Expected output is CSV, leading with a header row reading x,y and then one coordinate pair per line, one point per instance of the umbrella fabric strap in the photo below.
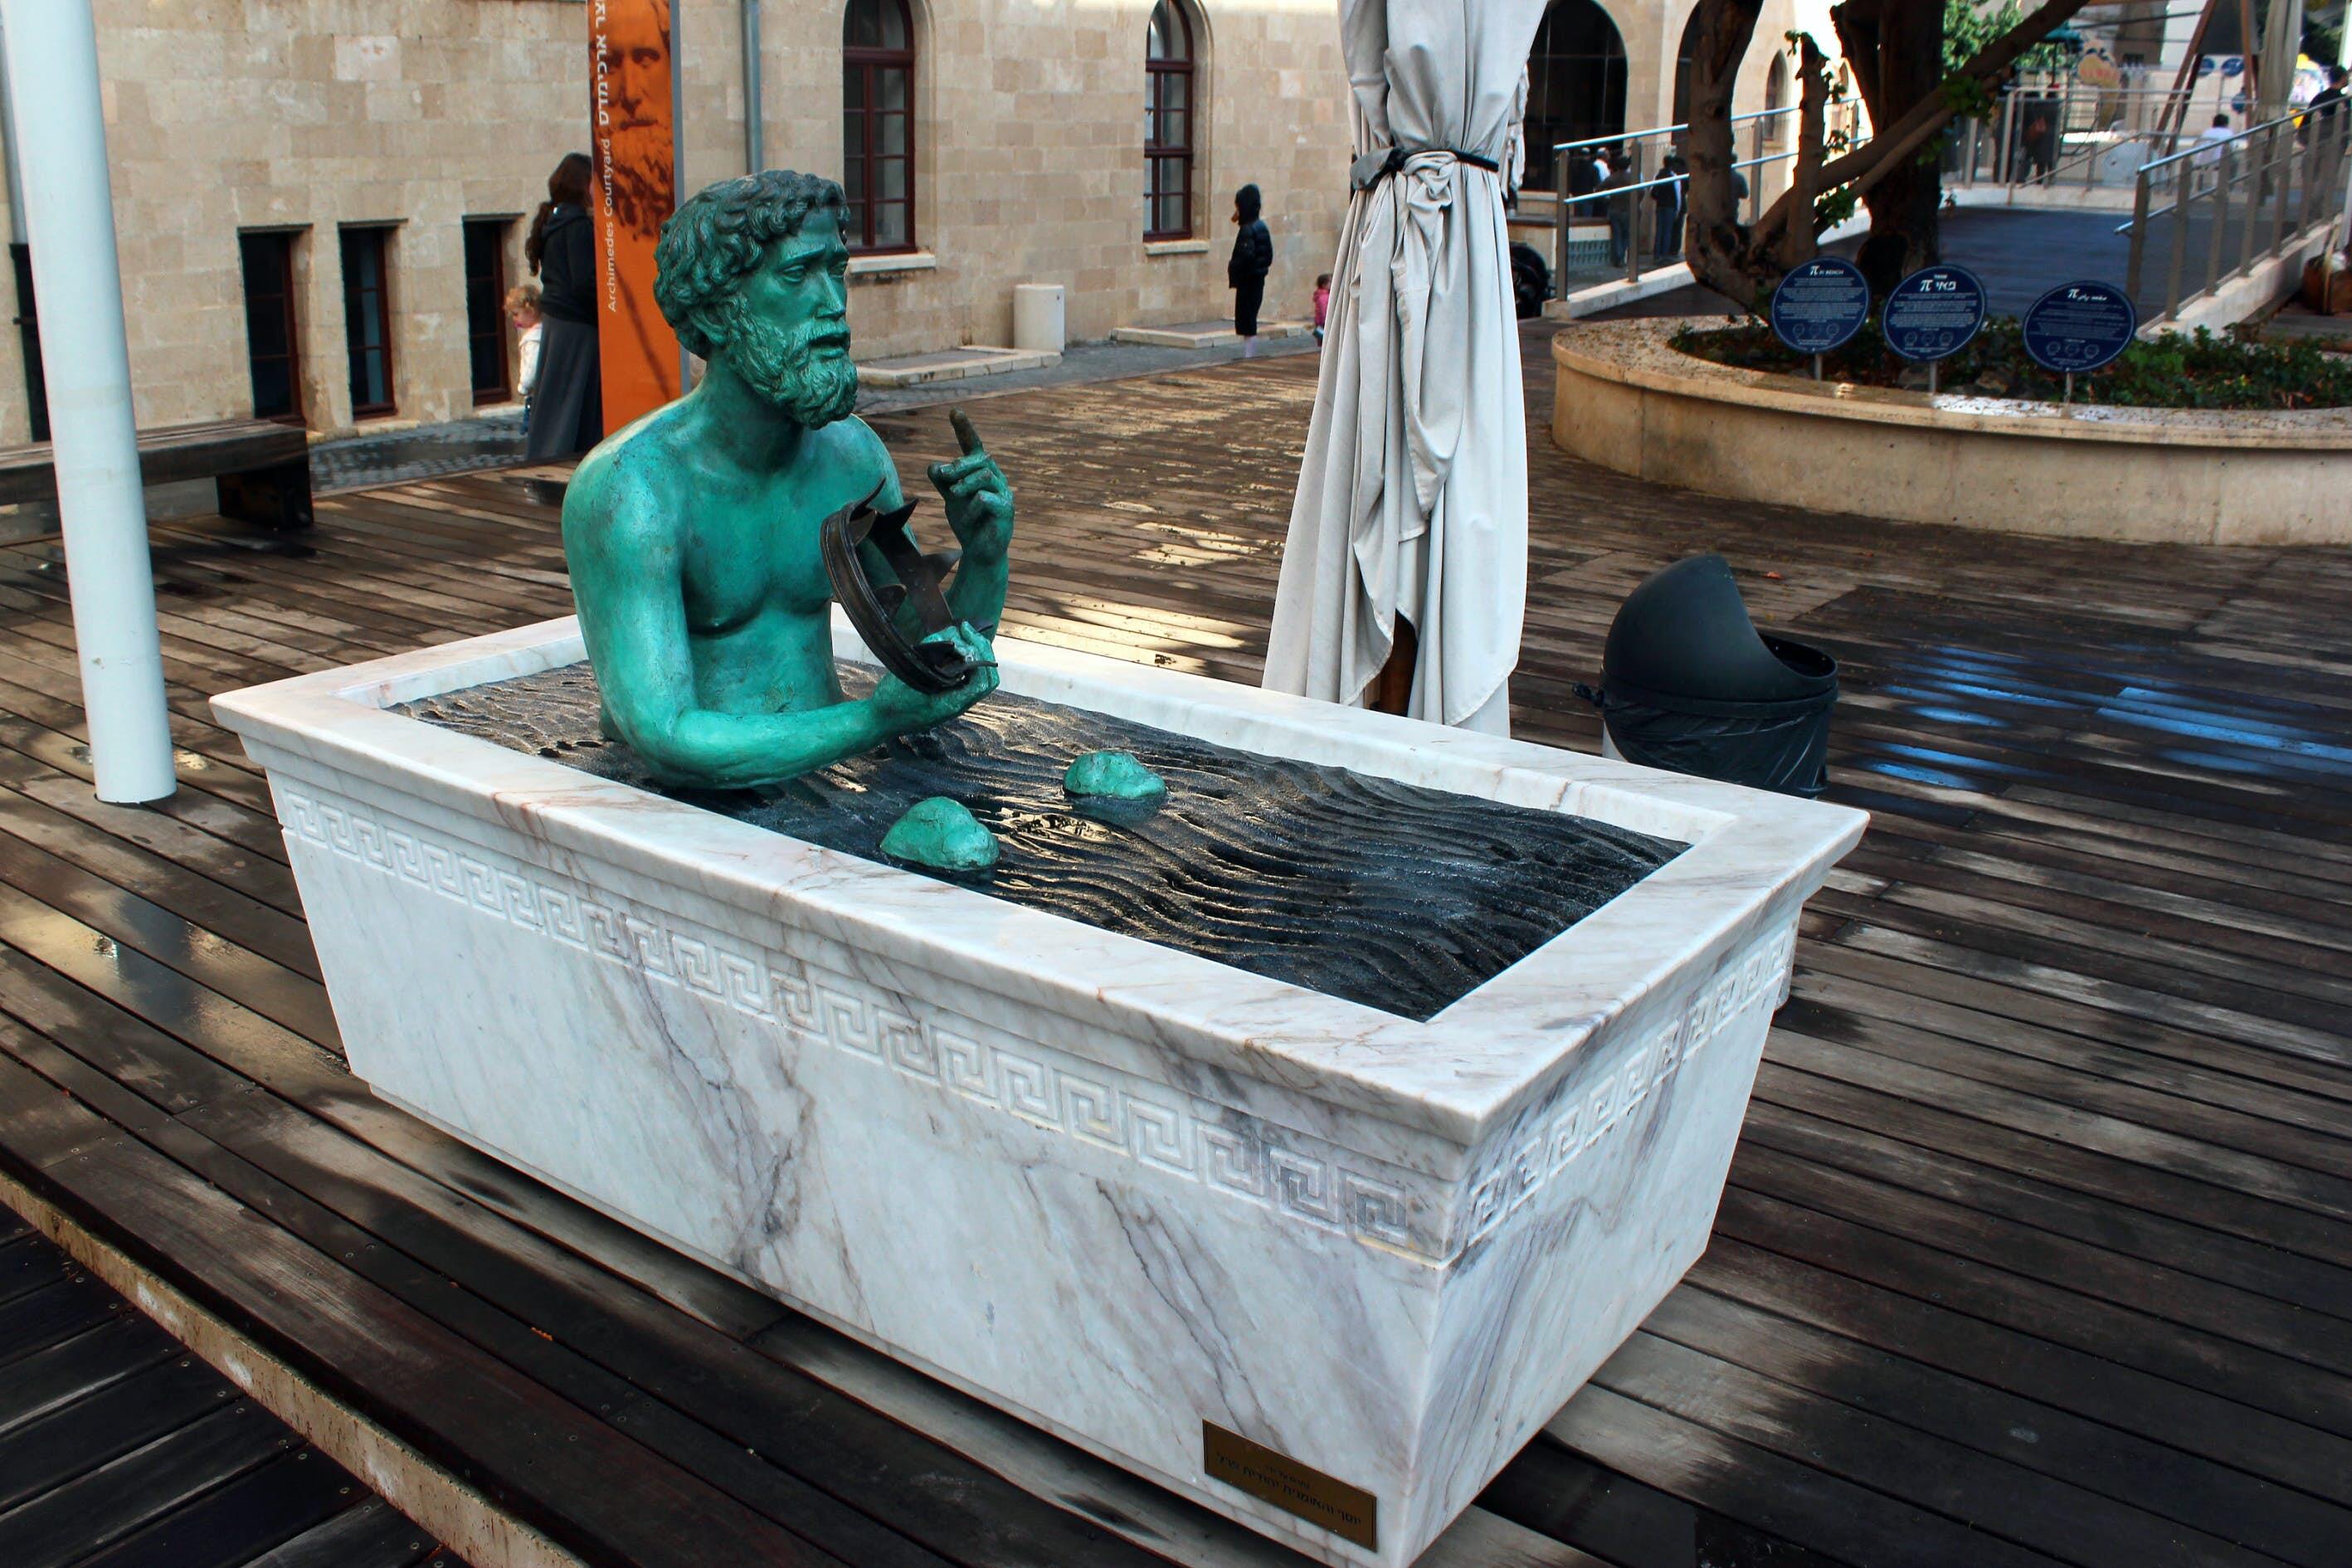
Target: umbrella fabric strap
x,y
1375,166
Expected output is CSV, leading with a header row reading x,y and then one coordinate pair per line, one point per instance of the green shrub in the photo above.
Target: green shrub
x,y
2174,370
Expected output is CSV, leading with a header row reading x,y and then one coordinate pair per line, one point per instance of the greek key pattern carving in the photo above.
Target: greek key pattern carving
x,y
1547,1151
1092,1105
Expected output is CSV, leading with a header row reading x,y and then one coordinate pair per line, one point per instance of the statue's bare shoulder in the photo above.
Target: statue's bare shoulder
x,y
626,497
851,447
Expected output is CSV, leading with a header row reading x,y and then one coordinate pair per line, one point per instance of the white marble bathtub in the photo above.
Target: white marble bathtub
x,y
1129,1193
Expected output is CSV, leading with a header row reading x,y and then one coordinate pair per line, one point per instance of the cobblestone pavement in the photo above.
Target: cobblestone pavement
x,y
419,452
495,441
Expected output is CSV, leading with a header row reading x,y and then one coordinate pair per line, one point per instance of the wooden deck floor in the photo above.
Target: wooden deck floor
x,y
118,1446
2038,1247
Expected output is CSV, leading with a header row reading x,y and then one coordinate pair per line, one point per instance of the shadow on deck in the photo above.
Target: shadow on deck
x,y
2038,1247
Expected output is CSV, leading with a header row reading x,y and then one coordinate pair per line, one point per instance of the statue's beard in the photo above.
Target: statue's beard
x,y
781,366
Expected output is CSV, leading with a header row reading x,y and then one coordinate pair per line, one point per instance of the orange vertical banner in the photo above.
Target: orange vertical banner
x,y
635,190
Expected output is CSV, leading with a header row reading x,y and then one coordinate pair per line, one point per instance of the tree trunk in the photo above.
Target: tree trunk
x,y
1745,264
1896,48
1714,239
1725,255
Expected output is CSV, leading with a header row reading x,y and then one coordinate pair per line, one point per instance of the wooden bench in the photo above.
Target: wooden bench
x,y
262,469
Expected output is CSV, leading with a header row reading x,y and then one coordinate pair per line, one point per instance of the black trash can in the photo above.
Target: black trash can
x,y
1689,685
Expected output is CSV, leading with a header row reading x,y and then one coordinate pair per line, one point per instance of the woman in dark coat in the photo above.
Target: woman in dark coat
x,y
567,408
1245,273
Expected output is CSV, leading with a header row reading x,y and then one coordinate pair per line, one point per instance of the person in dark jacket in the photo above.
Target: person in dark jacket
x,y
1252,258
567,410
1666,205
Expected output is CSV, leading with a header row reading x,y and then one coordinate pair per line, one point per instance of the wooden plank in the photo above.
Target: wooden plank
x,y
30,1324
68,1524
371,1535
1897,1143
142,1409
2029,1308
1896,1458
2152,1477
230,1526
567,1474
48,1380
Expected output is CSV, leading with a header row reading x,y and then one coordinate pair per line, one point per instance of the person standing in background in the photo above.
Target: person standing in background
x,y
1245,272
568,403
1666,203
1622,204
1322,303
522,311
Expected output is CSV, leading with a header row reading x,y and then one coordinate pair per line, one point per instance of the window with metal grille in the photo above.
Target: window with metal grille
x,y
273,339
486,307
877,125
1169,107
367,320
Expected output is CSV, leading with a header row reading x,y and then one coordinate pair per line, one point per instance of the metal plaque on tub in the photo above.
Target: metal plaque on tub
x,y
1271,1476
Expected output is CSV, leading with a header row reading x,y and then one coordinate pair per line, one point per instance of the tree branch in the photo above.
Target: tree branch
x,y
1889,145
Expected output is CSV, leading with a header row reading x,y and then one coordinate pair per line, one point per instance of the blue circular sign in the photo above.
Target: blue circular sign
x,y
2079,327
1933,312
1820,305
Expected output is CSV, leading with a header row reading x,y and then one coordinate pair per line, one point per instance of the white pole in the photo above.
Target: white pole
x,y
52,63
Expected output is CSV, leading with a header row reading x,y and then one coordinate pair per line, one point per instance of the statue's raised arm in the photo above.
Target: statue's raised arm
x,y
694,536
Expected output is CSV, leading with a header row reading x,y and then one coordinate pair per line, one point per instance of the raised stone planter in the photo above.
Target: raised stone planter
x,y
1627,399
1138,1198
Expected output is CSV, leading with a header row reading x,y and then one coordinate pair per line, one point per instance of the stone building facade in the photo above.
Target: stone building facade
x,y
394,124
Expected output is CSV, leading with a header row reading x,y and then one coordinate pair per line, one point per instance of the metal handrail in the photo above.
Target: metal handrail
x,y
2195,148
1637,247
2286,186
1559,147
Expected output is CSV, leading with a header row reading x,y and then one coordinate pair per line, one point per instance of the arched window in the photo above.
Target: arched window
x,y
1170,108
1575,90
877,125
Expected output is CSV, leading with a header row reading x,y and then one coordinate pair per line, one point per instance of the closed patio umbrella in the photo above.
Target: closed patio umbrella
x,y
1412,498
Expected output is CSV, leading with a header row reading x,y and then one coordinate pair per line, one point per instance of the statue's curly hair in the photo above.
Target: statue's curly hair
x,y
720,234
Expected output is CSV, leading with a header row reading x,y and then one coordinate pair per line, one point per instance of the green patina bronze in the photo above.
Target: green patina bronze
x,y
693,534
1112,775
940,833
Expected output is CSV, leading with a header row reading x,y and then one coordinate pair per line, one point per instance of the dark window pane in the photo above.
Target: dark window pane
x,y
265,329
367,325
486,309
273,387
875,24
891,89
852,88
272,346
1169,38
